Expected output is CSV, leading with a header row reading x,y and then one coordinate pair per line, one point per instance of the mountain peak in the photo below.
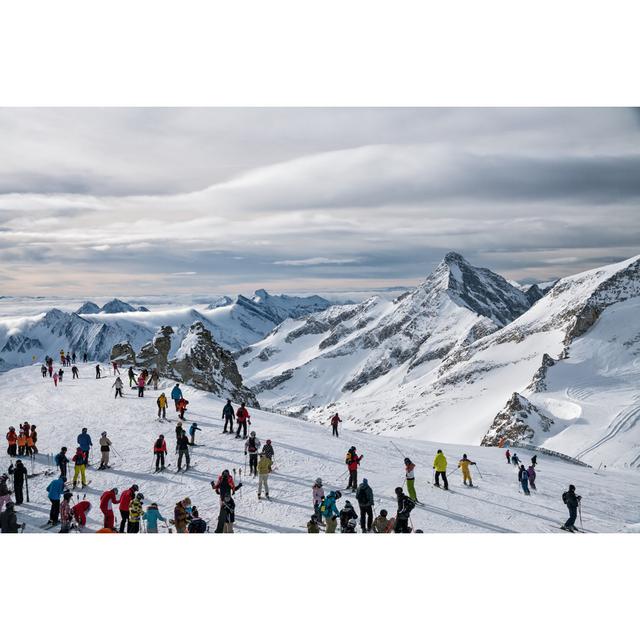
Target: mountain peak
x,y
452,257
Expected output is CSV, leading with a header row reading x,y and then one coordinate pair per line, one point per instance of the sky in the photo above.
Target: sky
x,y
136,201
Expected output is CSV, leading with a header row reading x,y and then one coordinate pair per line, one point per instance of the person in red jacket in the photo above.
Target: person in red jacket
x,y
225,485
107,500
352,461
335,421
160,450
242,415
125,500
181,406
80,511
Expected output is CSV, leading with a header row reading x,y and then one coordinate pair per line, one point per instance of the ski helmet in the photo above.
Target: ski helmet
x,y
104,433
571,487
253,433
383,513
407,461
398,490
134,487
319,481
140,496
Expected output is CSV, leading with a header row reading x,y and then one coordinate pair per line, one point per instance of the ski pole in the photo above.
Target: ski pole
x,y
398,449
580,512
114,451
478,470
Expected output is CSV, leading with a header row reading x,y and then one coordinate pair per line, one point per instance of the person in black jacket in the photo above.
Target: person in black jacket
x,y
572,501
227,515
182,449
227,415
197,524
19,473
347,513
364,496
9,520
405,505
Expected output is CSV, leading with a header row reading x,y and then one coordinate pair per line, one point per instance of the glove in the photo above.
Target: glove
x,y
245,453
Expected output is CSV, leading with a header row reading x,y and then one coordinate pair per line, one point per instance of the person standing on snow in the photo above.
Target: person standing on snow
x,y
531,472
515,460
352,461
176,394
507,455
66,515
335,421
464,465
74,372
227,416
317,492
572,501
381,523
55,489
155,377
107,500
409,471
347,514
9,520
197,524
263,469
405,505
313,526
141,383
125,501
267,450
330,511
440,466
251,446
98,372
43,371
135,514
116,369
5,493
85,443
160,451
243,417
19,473
132,377
62,461
192,432
224,485
534,460
118,384
364,496
181,405
105,450
182,515
162,406
523,479
152,515
12,439
80,466
182,450
55,379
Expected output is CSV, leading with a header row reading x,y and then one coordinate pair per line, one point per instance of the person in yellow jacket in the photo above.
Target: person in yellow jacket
x,y
464,464
440,466
135,514
162,406
264,469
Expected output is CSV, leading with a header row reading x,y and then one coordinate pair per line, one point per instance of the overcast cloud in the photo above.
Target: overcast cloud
x,y
127,201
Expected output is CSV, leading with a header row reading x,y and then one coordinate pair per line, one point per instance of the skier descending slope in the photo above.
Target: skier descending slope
x,y
118,384
440,466
352,461
227,415
98,372
464,464
573,502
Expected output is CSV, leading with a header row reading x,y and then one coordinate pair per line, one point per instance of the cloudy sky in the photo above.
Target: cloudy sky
x,y
132,201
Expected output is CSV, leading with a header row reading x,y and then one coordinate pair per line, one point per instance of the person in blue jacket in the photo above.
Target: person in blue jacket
x,y
176,394
192,432
84,442
330,512
152,515
55,491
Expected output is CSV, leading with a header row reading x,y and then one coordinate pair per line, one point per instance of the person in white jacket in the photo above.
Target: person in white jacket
x,y
318,497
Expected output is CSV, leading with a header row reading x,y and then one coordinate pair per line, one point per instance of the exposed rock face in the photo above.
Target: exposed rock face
x,y
117,306
155,354
89,307
123,353
517,422
204,364
539,383
533,294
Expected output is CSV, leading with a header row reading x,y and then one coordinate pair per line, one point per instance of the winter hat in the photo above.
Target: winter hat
x,y
383,513
194,512
153,505
398,490
253,433
365,481
439,450
134,487
268,441
319,481
140,496
464,456
407,461
571,488
104,433
347,504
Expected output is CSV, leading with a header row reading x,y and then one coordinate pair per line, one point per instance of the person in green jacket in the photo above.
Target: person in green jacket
x,y
440,465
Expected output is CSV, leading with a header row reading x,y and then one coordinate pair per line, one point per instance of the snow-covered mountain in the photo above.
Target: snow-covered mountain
x,y
113,306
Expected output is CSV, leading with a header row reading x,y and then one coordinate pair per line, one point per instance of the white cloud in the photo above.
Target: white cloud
x,y
310,262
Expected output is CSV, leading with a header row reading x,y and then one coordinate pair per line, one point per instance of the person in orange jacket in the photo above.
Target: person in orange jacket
x,y
12,439
464,464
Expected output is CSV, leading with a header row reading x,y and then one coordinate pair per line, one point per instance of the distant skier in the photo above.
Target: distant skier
x,y
74,372
85,443
317,493
73,357
80,465
12,439
43,371
263,469
60,374
107,500
227,416
192,433
515,461
105,451
405,505
162,406
252,446
141,383
352,461
182,450
125,501
224,485
573,502
132,377
507,455
335,421
155,377
116,369
410,475
364,496
19,473
381,523
176,394
464,465
55,379
267,450
118,384
98,372
531,472
523,479
85,357
160,451
55,490
243,417
152,515
347,514
440,466
534,460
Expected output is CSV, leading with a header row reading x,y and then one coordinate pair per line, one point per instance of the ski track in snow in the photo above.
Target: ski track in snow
x,y
303,451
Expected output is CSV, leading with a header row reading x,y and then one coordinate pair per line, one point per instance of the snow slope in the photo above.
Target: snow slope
x,y
611,500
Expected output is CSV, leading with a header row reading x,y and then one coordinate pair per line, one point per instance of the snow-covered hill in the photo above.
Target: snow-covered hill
x,y
303,451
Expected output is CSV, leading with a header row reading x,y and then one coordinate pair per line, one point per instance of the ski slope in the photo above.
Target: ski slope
x,y
303,451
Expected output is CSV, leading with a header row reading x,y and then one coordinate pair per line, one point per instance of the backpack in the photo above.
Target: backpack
x,y
252,445
565,497
198,526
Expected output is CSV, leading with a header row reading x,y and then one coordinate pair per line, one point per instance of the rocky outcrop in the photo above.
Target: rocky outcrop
x,y
123,353
89,307
539,382
155,354
517,422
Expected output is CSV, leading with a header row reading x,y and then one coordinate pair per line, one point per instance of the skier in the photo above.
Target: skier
x,y
152,515
105,449
267,450
118,384
197,524
12,439
263,470
364,496
66,515
507,454
19,473
73,357
80,511
5,493
347,513
335,421
573,502
179,431
85,357
62,461
227,515
116,369
181,406
176,394
515,461
9,520
251,446
352,461
107,500
155,377
182,450
84,442
531,472
182,515
317,492
192,432
132,376
440,465
160,451
60,375
312,525
80,465
411,478
22,441
43,371
74,372
34,439
534,460
50,368
523,479
330,511
405,505
55,379
141,382
98,372
162,406
125,501
54,490
227,416
381,523
243,417
464,465
224,485
135,513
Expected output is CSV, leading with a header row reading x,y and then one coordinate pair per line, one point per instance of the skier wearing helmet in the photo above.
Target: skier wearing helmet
x,y
135,513
105,448
125,501
267,450
251,446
